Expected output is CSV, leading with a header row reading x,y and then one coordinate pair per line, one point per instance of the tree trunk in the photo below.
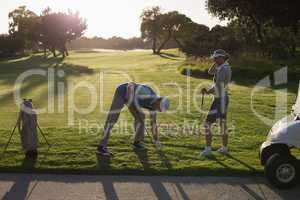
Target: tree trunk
x,y
294,46
53,51
62,51
45,51
164,42
258,29
257,26
154,45
66,50
261,38
179,43
294,43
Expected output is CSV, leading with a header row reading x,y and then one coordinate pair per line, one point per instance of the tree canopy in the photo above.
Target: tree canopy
x,y
159,28
51,30
56,29
271,20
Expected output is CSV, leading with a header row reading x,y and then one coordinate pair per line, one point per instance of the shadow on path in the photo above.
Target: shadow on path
x,y
20,188
24,186
104,163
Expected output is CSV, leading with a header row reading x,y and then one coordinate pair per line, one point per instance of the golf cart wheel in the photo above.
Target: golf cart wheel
x,y
282,171
281,149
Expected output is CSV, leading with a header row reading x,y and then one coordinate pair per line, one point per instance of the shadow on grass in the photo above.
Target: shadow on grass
x,y
252,170
11,57
164,162
29,62
188,146
229,169
104,162
163,158
243,163
214,158
86,51
11,69
17,66
169,56
157,186
143,158
29,163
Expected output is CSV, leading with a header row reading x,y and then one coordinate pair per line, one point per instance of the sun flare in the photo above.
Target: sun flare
x,y
114,17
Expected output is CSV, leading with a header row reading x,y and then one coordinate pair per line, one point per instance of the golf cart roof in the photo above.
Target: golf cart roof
x,y
296,107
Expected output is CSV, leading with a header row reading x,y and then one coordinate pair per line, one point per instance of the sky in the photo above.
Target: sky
x,y
108,18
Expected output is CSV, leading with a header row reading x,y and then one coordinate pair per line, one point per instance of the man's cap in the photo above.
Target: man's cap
x,y
164,104
220,53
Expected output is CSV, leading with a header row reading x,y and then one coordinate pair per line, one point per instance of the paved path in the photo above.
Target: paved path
x,y
43,186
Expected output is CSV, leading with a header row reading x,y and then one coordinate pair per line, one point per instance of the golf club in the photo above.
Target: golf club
x,y
202,100
151,138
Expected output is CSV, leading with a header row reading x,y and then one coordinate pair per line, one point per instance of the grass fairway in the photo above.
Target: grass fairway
x,y
73,149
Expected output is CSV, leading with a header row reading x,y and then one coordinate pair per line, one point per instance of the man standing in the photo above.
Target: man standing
x,y
136,97
218,110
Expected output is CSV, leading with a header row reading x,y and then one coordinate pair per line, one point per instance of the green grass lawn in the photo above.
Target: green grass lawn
x,y
73,149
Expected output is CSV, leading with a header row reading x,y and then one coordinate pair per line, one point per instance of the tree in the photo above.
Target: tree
x,y
246,11
200,41
173,25
151,26
194,41
21,26
9,45
160,28
50,30
19,19
57,29
259,14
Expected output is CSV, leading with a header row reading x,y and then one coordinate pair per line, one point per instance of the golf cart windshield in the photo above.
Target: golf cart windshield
x,y
296,107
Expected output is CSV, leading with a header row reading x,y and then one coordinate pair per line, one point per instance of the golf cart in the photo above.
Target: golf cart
x,y
282,169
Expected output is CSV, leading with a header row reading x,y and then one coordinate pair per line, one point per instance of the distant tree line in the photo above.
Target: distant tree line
x,y
9,45
117,43
50,31
266,27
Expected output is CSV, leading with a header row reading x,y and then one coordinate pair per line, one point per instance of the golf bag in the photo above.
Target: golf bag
x,y
27,125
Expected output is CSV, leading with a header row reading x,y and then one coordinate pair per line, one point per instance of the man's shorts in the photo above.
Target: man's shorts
x,y
218,109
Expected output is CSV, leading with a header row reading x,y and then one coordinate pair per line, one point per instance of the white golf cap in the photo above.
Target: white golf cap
x,y
164,104
219,53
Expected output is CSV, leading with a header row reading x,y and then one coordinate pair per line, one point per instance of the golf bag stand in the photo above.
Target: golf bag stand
x,y
10,137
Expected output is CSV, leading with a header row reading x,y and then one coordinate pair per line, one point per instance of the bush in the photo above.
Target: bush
x,y
201,44
244,66
10,45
